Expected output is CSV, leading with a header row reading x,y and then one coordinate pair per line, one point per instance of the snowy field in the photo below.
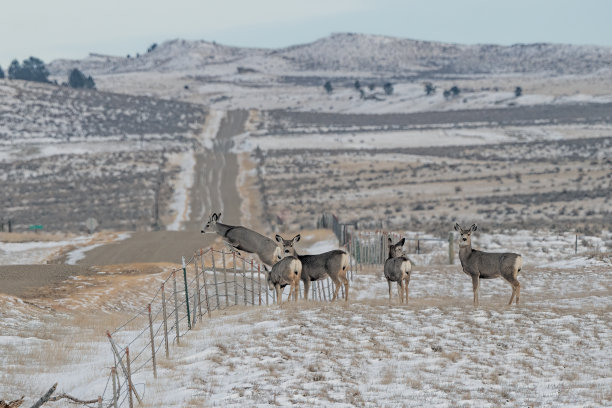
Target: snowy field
x,y
552,350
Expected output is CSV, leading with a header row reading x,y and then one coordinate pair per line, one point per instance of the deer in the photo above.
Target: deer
x,y
334,264
488,265
397,269
243,239
287,271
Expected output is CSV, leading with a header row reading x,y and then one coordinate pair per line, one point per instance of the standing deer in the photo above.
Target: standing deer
x,y
397,269
287,271
334,264
244,239
488,265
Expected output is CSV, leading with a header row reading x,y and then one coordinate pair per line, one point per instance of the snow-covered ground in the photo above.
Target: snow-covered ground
x,y
437,350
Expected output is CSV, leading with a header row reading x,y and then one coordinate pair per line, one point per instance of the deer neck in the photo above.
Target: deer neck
x,y
222,229
465,252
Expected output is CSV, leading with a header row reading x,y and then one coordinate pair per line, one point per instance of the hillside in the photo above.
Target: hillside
x,y
66,155
356,53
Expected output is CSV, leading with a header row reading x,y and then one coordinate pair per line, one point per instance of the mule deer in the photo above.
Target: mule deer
x,y
244,239
488,265
334,264
397,269
287,271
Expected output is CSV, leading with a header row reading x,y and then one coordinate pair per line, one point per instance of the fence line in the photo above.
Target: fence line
x,y
165,319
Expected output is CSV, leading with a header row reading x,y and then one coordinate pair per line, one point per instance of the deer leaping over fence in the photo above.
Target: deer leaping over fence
x,y
244,239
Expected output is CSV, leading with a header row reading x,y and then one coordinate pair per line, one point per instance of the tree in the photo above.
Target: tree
x,y
455,91
430,89
32,69
446,94
77,79
1,73
388,87
357,85
518,91
152,47
328,87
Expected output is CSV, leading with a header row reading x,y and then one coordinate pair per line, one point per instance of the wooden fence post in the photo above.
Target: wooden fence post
x,y
163,293
176,319
114,376
205,289
152,341
186,293
99,401
313,285
451,249
214,267
125,371
235,280
129,374
225,280
329,291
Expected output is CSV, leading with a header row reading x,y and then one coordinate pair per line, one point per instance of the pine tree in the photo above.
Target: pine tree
x,y
328,87
77,79
388,87
1,73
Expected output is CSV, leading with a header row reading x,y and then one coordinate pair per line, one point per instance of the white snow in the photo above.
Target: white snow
x,y
436,351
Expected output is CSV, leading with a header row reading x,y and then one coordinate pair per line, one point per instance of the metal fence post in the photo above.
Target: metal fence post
x,y
186,293
197,274
244,281
235,280
252,284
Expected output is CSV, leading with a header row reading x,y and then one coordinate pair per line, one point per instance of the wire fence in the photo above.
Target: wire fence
x,y
213,280
210,280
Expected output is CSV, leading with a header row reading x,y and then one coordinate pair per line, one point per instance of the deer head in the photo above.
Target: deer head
x,y
210,226
465,239
287,244
395,250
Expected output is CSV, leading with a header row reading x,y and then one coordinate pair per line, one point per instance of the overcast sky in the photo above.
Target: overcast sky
x,y
51,29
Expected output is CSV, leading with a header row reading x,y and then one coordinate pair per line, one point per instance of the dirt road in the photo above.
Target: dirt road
x,y
214,189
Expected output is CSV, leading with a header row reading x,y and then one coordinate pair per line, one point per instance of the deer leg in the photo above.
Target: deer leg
x,y
406,283
306,288
475,284
296,289
279,294
346,288
516,290
336,289
389,282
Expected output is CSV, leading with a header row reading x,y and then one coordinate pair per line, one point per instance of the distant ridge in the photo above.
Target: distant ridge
x,y
362,53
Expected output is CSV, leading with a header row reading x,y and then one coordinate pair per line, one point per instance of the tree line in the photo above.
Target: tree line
x,y
34,69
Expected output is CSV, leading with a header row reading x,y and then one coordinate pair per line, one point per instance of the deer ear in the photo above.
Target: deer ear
x,y
474,227
218,216
214,217
279,238
457,227
390,240
296,238
402,241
